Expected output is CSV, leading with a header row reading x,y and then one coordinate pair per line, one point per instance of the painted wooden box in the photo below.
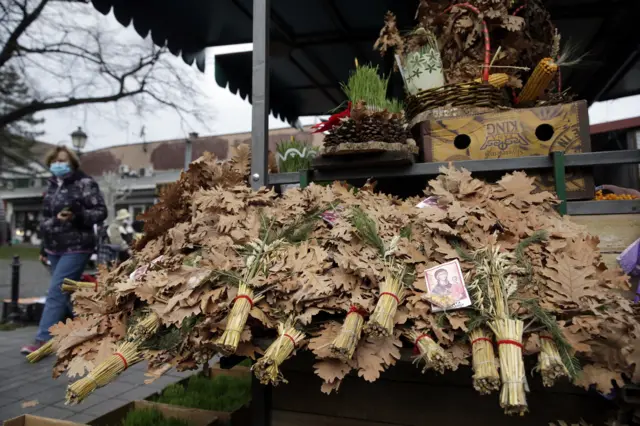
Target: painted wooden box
x,y
514,133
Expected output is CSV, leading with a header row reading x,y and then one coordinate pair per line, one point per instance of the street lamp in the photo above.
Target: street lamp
x,y
78,139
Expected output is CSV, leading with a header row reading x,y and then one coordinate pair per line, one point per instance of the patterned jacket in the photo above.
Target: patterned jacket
x,y
81,195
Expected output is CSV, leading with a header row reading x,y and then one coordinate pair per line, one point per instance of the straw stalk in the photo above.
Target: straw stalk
x,y
430,352
344,345
485,372
267,368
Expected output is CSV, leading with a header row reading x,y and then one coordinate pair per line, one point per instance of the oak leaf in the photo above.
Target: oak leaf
x,y
331,370
569,281
600,377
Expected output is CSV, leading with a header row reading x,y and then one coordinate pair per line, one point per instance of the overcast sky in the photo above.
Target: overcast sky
x,y
231,114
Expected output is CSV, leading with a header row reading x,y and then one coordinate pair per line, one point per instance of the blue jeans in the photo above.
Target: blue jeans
x,y
58,304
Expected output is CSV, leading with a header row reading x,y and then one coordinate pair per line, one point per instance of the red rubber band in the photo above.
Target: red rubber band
x,y
355,310
124,361
290,338
510,342
416,349
481,339
547,338
392,295
244,296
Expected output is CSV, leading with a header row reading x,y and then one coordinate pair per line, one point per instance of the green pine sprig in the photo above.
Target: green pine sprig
x,y
550,325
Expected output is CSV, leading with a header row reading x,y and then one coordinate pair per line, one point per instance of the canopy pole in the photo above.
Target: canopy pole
x,y
260,94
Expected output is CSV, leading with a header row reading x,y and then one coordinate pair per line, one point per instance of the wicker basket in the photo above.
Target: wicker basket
x,y
468,94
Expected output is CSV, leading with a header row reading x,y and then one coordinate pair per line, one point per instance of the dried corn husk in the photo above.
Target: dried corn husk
x,y
344,345
434,356
485,371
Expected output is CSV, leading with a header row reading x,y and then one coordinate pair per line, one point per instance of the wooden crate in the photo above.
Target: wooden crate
x,y
514,133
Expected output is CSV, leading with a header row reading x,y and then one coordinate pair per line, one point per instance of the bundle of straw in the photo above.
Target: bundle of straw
x,y
430,352
267,368
550,362
144,329
71,285
344,345
126,355
381,322
485,372
42,352
228,343
509,335
492,287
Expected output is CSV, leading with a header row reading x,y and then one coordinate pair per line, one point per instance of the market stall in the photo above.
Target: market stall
x,y
502,300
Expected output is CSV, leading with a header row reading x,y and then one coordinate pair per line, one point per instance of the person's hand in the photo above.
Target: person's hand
x,y
64,215
43,258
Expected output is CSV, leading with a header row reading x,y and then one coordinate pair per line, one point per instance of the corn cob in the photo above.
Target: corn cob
x,y
496,80
540,79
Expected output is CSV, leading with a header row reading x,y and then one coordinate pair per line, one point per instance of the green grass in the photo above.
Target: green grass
x,y
220,393
25,252
151,417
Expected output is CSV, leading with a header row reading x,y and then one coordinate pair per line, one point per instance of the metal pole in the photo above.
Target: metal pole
x,y
187,154
260,93
14,312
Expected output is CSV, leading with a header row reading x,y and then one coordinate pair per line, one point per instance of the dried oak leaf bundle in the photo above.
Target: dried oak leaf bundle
x,y
188,274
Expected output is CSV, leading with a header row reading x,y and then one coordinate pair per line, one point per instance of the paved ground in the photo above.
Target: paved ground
x,y
34,279
22,382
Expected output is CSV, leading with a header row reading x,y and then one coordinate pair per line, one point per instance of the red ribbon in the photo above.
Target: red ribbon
x,y
390,294
293,342
333,121
356,310
416,349
244,296
481,339
485,32
510,342
124,360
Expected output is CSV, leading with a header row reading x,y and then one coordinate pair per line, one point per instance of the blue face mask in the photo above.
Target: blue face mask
x,y
59,169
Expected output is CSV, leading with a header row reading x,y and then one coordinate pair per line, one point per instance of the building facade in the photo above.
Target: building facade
x,y
137,169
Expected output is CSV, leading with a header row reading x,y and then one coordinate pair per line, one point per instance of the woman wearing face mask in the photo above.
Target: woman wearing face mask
x,y
72,205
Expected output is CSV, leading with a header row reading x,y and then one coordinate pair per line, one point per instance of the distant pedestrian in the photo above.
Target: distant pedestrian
x,y
72,205
120,234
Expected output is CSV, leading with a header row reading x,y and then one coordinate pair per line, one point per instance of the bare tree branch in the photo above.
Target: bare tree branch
x,y
67,54
28,18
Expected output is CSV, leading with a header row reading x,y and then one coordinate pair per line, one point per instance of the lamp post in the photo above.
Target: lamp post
x,y
79,140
